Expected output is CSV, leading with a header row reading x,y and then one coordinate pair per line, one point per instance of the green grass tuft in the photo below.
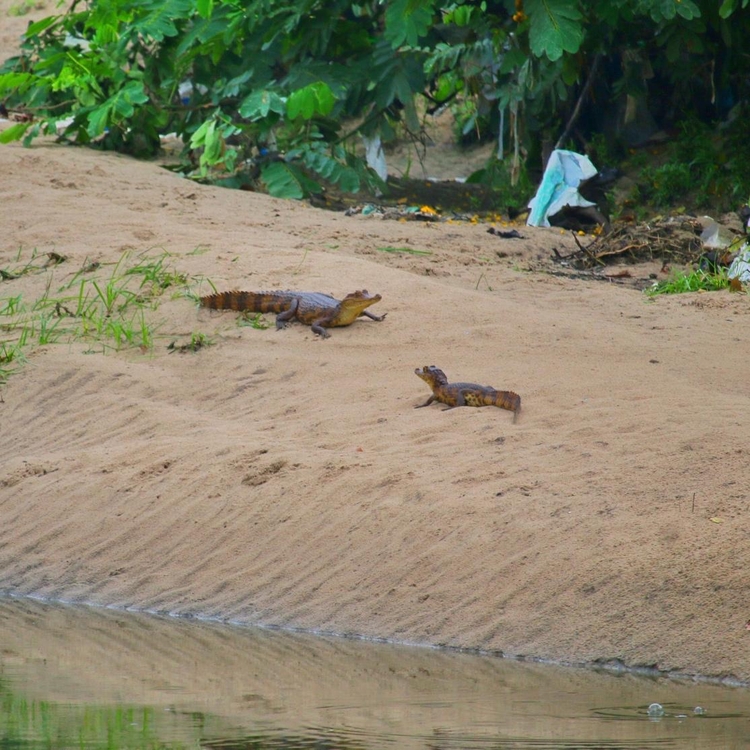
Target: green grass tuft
x,y
695,281
254,320
107,311
197,342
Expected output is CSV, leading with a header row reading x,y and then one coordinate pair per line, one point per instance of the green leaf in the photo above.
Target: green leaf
x,y
324,98
259,104
688,9
125,99
160,21
406,22
513,58
312,100
18,82
202,30
234,85
555,27
105,34
301,103
331,169
281,182
213,144
119,107
33,132
199,136
14,132
666,10
98,119
205,8
460,15
34,29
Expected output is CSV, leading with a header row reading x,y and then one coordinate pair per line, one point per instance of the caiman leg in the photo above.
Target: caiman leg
x,y
283,317
426,403
317,328
369,315
460,399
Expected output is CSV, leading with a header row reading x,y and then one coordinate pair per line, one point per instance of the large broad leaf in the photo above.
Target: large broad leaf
x,y
338,77
401,79
211,138
120,106
555,27
312,100
14,132
689,10
204,8
159,21
34,29
259,104
18,82
666,10
729,6
202,30
331,169
284,181
407,21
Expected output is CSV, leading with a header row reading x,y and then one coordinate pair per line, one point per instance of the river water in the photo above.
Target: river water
x,y
83,677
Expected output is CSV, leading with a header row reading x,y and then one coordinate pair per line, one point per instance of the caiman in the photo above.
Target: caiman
x,y
319,311
465,394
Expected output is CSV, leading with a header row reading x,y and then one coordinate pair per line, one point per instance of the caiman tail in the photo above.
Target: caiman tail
x,y
506,400
243,301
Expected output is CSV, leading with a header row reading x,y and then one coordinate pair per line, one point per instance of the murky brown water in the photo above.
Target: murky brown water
x,y
78,676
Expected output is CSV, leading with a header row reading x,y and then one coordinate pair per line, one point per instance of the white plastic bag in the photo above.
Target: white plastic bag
x,y
740,268
565,171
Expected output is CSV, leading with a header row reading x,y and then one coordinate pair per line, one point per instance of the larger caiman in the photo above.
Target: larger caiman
x,y
465,394
319,311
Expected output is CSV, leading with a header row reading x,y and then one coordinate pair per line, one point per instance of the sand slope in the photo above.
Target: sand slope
x,y
276,478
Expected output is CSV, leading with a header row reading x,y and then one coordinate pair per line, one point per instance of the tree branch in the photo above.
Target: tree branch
x,y
579,103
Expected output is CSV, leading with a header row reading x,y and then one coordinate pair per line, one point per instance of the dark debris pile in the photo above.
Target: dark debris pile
x,y
672,239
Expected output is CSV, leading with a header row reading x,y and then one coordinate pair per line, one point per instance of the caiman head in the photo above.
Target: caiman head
x,y
353,304
431,375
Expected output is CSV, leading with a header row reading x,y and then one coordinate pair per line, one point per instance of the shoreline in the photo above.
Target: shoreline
x,y
613,667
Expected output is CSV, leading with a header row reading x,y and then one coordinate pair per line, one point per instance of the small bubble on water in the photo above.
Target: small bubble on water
x,y
698,710
656,709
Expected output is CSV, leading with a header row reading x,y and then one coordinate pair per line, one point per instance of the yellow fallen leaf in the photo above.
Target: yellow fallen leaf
x,y
716,519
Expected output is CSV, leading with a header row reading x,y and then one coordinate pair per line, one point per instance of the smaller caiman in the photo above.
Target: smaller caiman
x,y
465,394
319,311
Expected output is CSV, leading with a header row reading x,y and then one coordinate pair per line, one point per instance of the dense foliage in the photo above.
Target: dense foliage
x,y
272,91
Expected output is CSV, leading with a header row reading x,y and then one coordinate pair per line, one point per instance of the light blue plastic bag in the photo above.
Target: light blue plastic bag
x,y
565,171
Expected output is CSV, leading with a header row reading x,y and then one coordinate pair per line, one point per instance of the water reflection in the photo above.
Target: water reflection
x,y
75,677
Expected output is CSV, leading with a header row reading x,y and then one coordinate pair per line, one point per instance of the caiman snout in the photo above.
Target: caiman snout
x,y
364,294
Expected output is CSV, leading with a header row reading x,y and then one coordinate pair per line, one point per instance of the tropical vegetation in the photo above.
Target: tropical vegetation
x,y
278,94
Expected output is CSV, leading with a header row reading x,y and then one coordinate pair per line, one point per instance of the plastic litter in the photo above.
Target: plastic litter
x,y
740,267
716,236
565,171
375,156
656,709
